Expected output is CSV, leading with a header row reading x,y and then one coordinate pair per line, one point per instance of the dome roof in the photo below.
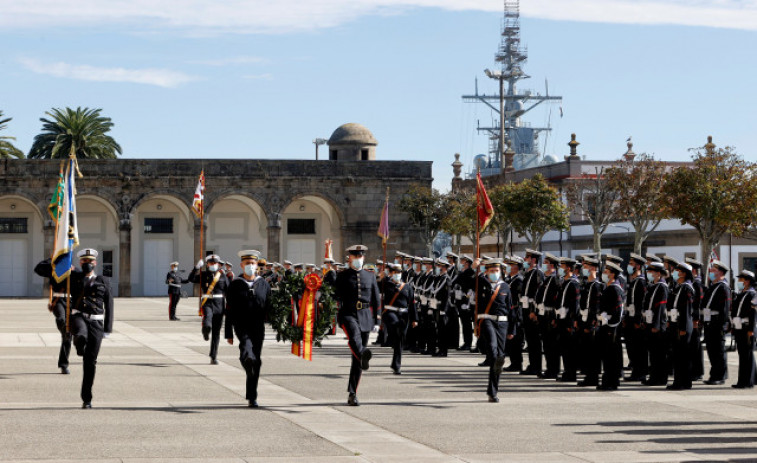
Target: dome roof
x,y
352,134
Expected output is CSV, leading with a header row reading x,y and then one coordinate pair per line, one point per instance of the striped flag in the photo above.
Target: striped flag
x,y
197,202
56,203
484,206
68,231
383,230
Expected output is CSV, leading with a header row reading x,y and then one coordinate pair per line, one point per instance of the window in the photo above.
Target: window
x,y
332,155
364,155
107,264
14,225
301,226
750,263
158,225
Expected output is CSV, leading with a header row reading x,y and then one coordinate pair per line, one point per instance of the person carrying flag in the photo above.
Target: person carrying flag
x,y
213,284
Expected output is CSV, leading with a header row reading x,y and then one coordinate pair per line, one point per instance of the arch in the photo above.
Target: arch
x,y
184,207
40,211
253,202
103,202
323,201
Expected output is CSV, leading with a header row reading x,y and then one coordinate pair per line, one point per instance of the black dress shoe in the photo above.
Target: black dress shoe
x,y
425,352
696,378
513,368
714,382
213,362
365,357
549,375
206,333
633,379
352,401
439,354
396,371
464,347
494,399
252,404
741,386
87,405
176,319
566,379
64,371
602,387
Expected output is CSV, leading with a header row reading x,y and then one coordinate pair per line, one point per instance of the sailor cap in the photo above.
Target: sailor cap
x,y
720,266
533,253
492,262
357,249
249,254
693,262
551,258
615,267
653,258
747,275
442,262
394,267
87,253
173,263
637,258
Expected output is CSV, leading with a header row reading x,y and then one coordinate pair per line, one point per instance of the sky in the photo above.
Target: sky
x,y
261,79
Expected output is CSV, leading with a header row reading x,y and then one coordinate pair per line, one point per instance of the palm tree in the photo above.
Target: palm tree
x,y
81,131
7,150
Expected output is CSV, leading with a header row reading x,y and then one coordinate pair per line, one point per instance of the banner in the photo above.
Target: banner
x,y
306,317
68,231
484,206
197,202
383,230
56,203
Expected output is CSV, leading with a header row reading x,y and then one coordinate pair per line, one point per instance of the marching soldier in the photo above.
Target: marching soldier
x,y
680,326
715,314
358,293
329,277
174,282
398,313
743,316
609,315
638,355
91,314
494,312
654,317
248,305
213,287
453,259
407,268
696,353
546,305
57,307
414,275
439,303
567,316
514,278
532,280
587,326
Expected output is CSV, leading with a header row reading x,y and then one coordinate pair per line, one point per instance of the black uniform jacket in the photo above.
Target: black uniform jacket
x,y
570,299
635,298
247,307
717,299
531,283
549,292
359,297
516,291
207,280
502,304
656,300
330,278
173,278
90,296
683,302
611,303
405,299
744,308
590,301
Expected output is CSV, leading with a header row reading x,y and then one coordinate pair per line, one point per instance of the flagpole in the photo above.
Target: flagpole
x,y
72,157
202,228
383,242
478,245
55,237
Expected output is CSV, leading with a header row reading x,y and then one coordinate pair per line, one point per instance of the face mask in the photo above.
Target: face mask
x,y
561,272
712,276
397,261
437,271
250,269
544,268
405,267
507,269
526,265
739,286
650,276
213,268
585,272
493,277
630,270
423,268
173,269
357,264
482,269
675,275
87,267
396,278
415,267
459,267
605,278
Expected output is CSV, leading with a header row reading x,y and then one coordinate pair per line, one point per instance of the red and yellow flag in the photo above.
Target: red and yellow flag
x,y
483,205
306,317
197,201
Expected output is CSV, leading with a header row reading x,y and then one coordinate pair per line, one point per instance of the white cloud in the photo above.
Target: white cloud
x,y
232,61
158,77
285,16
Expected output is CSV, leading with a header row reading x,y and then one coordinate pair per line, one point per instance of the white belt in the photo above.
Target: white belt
x,y
739,322
89,316
214,296
496,318
395,309
562,312
585,315
631,310
60,295
431,312
174,285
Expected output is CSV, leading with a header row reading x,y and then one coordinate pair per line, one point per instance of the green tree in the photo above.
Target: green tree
x,y
537,209
716,196
7,149
83,132
425,207
639,186
456,221
503,198
594,199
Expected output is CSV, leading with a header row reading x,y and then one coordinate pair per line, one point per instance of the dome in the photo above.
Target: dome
x,y
352,134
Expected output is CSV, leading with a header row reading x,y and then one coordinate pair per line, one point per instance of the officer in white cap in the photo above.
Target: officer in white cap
x,y
57,306
213,286
174,282
248,303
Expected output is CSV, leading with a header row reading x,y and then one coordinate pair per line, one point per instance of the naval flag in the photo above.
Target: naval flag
x,y
67,237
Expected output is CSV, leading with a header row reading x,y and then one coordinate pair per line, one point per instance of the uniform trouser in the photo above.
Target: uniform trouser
x,y
714,338
589,354
466,322
515,348
533,344
745,348
609,345
551,347
250,347
213,320
59,311
493,336
173,301
429,330
658,370
357,340
638,352
567,345
452,334
395,326
441,322
90,334
696,354
681,357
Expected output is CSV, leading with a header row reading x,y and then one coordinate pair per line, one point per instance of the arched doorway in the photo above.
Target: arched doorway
x,y
21,247
306,223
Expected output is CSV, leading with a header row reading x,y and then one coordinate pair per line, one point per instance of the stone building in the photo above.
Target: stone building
x,y
137,212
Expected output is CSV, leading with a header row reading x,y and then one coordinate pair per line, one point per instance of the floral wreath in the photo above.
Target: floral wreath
x,y
290,289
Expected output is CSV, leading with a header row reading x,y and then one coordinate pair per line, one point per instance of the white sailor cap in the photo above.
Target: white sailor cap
x,y
747,275
213,258
309,265
298,265
286,262
466,258
249,254
639,259
87,253
615,268
357,249
452,255
693,262
173,263
720,266
442,262
328,260
395,267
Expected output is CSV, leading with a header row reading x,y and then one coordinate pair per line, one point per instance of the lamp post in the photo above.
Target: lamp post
x,y
317,142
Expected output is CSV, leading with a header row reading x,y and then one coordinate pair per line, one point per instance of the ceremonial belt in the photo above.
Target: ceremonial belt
x,y
395,309
174,285
205,297
396,295
60,295
212,296
496,318
88,316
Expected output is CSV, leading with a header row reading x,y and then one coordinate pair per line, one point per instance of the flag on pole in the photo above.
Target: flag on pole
x,y
68,231
56,203
329,254
197,202
383,230
483,205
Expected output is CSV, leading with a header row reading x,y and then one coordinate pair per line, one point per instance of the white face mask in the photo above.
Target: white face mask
x,y
561,272
459,267
605,278
406,267
630,270
507,269
213,268
739,286
250,269
493,277
526,265
585,272
544,268
676,275
357,263
437,271
650,276
397,277
173,269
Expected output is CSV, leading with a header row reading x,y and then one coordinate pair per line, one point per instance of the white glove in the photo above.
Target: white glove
x,y
375,329
198,266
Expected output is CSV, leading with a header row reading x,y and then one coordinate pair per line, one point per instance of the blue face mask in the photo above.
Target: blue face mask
x,y
544,268
459,267
711,276
561,272
437,271
585,272
493,277
739,286
650,276
676,275
482,269
526,265
630,269
605,278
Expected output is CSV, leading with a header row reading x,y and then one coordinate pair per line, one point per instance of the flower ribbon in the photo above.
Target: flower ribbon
x,y
306,317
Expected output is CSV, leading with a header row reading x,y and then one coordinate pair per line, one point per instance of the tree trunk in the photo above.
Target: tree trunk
x,y
638,241
598,243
